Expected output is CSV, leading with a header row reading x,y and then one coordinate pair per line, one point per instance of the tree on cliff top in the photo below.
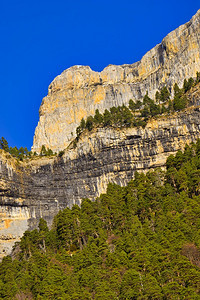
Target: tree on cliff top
x,y
4,144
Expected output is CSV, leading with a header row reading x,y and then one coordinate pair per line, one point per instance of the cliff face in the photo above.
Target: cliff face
x,y
14,213
79,91
42,186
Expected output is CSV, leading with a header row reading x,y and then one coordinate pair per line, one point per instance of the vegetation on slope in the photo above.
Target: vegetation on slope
x,y
141,241
138,113
23,153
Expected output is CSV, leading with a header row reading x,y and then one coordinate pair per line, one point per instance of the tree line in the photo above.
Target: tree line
x,y
135,115
141,241
22,152
138,113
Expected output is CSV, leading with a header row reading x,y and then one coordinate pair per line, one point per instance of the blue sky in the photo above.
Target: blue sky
x,y
40,39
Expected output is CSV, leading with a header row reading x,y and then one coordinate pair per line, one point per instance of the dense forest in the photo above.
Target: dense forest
x,y
141,241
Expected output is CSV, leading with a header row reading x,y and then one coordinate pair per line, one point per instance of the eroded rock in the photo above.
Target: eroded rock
x,y
79,91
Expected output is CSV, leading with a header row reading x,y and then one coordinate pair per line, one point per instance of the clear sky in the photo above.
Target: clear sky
x,y
41,38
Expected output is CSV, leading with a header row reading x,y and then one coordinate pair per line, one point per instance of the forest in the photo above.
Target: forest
x,y
141,241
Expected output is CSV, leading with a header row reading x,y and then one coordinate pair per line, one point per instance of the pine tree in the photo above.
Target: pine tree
x,y
43,151
4,144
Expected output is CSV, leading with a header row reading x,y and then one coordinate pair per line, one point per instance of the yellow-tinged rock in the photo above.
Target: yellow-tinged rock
x,y
79,91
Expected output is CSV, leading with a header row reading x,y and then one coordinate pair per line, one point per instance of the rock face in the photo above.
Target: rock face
x,y
42,186
14,214
79,91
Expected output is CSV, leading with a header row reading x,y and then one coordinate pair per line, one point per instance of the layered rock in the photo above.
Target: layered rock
x,y
14,214
79,91
42,186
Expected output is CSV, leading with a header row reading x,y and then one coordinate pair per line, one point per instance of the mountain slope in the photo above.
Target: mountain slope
x,y
141,241
42,186
79,91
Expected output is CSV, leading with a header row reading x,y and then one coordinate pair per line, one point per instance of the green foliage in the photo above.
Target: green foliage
x,y
80,128
154,109
106,118
179,103
180,100
43,226
98,118
177,90
170,107
197,77
61,153
138,112
82,124
188,84
150,109
49,152
4,144
20,153
46,152
135,105
141,241
163,96
145,111
89,123
23,153
43,151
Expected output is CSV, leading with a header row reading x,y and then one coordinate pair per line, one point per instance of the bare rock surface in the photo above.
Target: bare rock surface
x,y
79,91
42,186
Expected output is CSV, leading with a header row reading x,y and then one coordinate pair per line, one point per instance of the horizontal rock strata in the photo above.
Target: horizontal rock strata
x,y
43,186
79,91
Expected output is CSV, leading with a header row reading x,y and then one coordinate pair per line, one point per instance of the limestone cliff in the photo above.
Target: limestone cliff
x,y
42,186
79,91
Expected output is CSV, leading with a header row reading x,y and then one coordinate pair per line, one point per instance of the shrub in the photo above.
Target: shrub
x,y
61,153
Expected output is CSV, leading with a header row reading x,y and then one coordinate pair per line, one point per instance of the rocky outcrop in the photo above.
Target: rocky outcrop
x,y
42,186
79,91
14,214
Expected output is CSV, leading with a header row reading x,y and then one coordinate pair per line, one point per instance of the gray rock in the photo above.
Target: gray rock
x,y
79,91
42,186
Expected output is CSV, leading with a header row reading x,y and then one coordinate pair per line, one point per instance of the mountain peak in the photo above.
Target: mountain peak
x,y
79,91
